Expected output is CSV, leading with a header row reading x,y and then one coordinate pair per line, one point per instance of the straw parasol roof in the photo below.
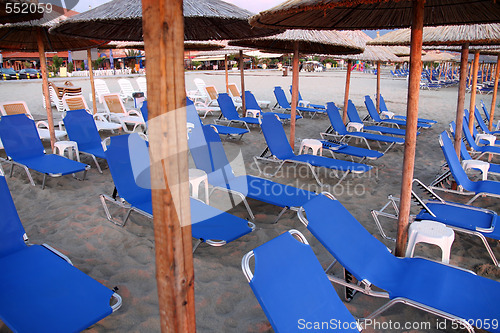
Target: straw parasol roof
x,y
122,20
373,14
477,34
310,41
188,45
20,17
371,53
487,49
23,36
435,56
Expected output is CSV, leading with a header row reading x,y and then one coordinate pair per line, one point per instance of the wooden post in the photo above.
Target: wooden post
x,y
242,75
494,97
92,85
163,31
45,86
295,92
411,125
227,74
378,86
346,92
473,91
461,97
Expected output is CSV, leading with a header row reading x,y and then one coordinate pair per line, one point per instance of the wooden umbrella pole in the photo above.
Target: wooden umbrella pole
x,y
461,97
92,83
494,98
169,163
378,86
45,86
411,125
473,91
295,92
346,92
227,73
242,76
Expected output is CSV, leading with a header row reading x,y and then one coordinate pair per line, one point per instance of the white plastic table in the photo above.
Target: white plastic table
x,y
387,114
358,127
313,144
60,148
253,113
431,232
196,177
483,166
487,137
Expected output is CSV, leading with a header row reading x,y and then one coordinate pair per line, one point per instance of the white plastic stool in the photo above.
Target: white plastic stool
x,y
196,177
487,137
61,146
313,144
431,232
253,113
386,114
483,166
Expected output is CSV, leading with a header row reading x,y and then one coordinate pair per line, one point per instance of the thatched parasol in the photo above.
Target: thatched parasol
x,y
188,45
378,14
7,14
203,19
373,14
33,36
307,41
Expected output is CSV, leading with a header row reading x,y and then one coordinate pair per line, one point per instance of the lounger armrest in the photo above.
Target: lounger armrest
x,y
42,124
57,253
477,165
101,117
134,113
497,127
355,127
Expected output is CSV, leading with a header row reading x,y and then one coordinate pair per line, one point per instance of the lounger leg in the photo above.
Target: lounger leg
x,y
122,223
281,213
96,164
44,179
389,147
11,170
198,242
243,198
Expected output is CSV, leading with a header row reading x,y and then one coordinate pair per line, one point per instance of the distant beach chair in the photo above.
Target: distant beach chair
x,y
228,131
391,115
38,283
308,104
292,287
116,111
81,128
475,149
143,86
372,111
252,104
78,103
281,152
209,155
229,112
482,125
126,89
443,290
345,136
20,107
282,103
208,224
357,124
235,93
24,148
101,88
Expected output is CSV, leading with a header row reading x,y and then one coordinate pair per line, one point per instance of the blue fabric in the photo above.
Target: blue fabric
x,y
315,106
383,107
334,164
338,125
442,287
40,292
353,115
481,123
144,111
376,117
252,104
351,150
485,111
229,110
81,128
290,285
11,229
22,143
283,102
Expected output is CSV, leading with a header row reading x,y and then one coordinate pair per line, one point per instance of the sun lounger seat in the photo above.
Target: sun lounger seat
x,y
383,107
372,111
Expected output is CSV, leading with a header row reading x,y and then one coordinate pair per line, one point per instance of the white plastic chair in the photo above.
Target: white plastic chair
x,y
143,86
126,89
78,103
101,88
117,112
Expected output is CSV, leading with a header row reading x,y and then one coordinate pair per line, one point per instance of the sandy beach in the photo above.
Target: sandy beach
x,y
69,216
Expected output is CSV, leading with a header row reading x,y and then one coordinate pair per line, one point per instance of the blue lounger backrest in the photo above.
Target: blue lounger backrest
x,y
227,107
81,128
221,169
453,162
468,136
11,229
370,259
20,137
251,102
281,98
291,89
371,109
275,137
352,113
464,154
191,114
480,121
144,111
290,285
335,119
383,107
485,111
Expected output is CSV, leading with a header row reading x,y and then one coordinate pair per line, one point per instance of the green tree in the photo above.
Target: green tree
x,y
56,64
71,67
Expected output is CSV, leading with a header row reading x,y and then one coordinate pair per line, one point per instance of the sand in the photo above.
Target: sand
x,y
68,214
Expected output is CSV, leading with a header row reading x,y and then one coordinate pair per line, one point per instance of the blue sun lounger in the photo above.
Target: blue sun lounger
x,y
372,111
252,104
486,139
353,115
345,136
194,118
482,124
452,293
81,128
383,107
40,290
282,102
305,103
292,288
281,152
144,112
208,224
209,155
477,150
24,148
228,110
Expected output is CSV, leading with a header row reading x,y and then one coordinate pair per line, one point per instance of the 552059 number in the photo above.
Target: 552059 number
x,y
27,8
